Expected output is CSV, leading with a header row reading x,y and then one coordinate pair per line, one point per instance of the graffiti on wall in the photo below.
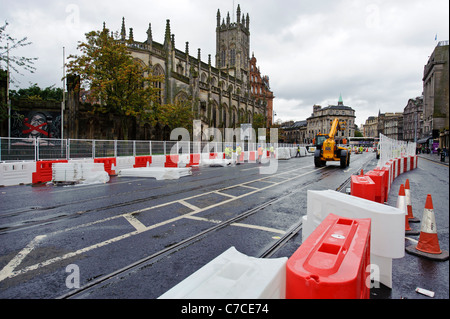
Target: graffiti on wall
x,y
36,124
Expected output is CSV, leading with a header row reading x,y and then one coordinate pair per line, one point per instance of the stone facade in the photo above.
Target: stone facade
x,y
221,96
436,95
413,119
321,118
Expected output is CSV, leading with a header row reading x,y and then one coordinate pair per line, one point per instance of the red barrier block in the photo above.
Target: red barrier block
x,y
333,262
251,156
108,163
362,186
141,161
194,159
405,164
378,177
172,161
386,181
44,171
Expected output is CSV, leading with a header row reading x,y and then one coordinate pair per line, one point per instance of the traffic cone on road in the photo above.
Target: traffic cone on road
x,y
411,217
428,245
401,203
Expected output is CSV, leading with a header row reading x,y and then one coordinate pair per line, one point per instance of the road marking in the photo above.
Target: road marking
x,y
267,229
193,207
8,270
135,222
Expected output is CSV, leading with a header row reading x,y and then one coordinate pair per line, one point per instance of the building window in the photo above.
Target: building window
x,y
232,57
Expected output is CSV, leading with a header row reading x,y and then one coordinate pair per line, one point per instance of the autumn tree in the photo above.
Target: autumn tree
x,y
123,86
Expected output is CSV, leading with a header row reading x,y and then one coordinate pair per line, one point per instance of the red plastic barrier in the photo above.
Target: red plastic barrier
x,y
363,186
386,181
141,161
378,177
108,162
251,156
333,262
405,164
172,161
212,155
194,159
44,171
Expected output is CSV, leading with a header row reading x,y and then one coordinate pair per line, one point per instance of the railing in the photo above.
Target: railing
x,y
30,149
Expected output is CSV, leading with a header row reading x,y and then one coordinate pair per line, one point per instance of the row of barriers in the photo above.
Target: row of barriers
x,y
396,157
34,172
38,149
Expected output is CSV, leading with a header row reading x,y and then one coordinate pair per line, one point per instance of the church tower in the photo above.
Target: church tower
x,y
233,44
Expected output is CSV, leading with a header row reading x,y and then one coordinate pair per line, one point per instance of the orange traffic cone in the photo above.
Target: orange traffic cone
x,y
428,245
401,203
411,217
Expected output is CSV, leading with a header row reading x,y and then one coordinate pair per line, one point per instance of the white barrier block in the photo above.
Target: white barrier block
x,y
16,173
233,275
387,225
124,162
79,171
283,153
158,161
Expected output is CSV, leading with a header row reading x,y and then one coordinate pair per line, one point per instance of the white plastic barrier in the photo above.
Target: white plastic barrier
x,y
158,161
79,171
183,160
233,275
388,225
124,162
283,153
16,173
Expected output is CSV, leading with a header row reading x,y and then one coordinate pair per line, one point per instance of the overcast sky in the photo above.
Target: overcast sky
x,y
372,52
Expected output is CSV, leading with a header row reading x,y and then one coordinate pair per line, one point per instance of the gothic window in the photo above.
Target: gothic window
x,y
222,58
158,70
232,57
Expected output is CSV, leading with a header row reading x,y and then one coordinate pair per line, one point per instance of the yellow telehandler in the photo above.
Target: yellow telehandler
x,y
327,148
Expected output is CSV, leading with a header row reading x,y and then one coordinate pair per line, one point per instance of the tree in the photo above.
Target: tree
x,y
7,45
36,93
123,86
14,63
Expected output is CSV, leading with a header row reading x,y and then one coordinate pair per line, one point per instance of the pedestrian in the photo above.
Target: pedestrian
x,y
227,152
272,154
298,151
260,153
238,154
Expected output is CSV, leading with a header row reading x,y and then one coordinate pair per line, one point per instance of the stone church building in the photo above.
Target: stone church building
x,y
225,95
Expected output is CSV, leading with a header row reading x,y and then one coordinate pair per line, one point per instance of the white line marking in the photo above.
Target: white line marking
x,y
193,207
8,270
135,222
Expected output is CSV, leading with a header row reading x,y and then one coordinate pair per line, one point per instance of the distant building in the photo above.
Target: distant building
x,y
321,118
370,128
294,132
436,97
413,119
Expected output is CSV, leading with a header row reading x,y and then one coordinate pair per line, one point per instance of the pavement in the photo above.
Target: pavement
x,y
435,158
411,272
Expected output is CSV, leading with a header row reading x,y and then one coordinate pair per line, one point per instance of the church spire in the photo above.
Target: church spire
x,y
149,34
123,32
340,102
167,36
